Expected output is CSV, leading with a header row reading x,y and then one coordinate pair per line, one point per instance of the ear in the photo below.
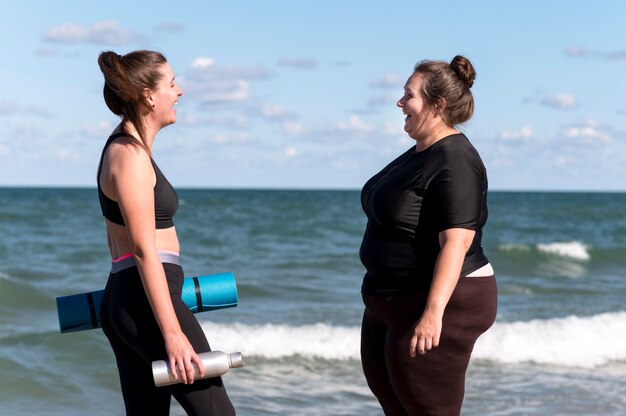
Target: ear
x,y
440,105
148,96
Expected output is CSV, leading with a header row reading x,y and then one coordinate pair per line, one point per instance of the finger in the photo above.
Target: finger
x,y
182,370
173,368
436,341
428,345
421,344
198,361
413,346
189,370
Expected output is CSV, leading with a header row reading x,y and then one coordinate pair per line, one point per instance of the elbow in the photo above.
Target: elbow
x,y
459,238
139,252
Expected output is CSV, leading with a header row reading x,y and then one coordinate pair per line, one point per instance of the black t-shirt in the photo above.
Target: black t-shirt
x,y
410,202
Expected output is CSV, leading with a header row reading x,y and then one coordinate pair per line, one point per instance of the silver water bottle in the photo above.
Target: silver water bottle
x,y
215,364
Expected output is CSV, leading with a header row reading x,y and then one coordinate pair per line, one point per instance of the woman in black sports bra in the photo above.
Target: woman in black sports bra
x,y
142,313
429,290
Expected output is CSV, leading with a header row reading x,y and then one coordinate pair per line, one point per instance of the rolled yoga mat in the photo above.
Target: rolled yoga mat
x,y
201,293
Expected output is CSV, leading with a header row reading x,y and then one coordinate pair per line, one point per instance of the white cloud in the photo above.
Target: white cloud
x,y
28,133
300,63
106,32
272,112
214,84
236,122
11,107
381,100
562,161
202,62
355,124
524,133
291,152
293,128
577,51
231,138
590,130
99,129
341,165
219,92
393,129
562,100
67,33
388,81
582,52
64,154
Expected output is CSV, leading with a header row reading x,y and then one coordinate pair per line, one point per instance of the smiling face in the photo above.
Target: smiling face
x,y
419,116
164,98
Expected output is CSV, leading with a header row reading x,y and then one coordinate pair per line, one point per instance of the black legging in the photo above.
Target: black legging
x,y
129,324
431,384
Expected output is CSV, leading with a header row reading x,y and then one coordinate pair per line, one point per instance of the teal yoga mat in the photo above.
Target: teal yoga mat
x,y
201,293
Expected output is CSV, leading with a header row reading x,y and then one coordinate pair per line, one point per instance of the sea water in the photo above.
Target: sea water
x,y
558,346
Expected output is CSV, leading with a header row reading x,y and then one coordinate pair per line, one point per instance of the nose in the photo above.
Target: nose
x,y
400,102
180,91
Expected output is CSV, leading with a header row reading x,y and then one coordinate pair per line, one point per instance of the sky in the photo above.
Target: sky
x,y
290,94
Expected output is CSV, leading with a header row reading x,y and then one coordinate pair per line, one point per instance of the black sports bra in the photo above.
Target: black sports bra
x,y
165,197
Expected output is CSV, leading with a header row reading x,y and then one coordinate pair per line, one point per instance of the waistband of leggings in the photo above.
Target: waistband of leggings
x,y
127,261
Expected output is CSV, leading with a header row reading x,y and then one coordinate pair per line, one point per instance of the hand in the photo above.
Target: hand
x,y
181,355
426,334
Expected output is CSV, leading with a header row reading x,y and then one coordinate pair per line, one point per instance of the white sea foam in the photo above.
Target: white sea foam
x,y
514,247
573,249
274,341
572,342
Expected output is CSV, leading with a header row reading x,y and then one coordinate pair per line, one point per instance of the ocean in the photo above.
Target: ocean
x,y
558,346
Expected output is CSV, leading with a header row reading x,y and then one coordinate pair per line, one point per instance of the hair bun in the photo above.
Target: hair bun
x,y
463,68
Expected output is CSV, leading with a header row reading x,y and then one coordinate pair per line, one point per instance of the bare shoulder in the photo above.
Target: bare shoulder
x,y
126,154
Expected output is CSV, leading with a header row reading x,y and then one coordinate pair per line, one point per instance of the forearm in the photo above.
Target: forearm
x,y
157,291
446,276
454,246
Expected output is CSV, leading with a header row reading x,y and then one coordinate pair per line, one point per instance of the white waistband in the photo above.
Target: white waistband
x,y
484,271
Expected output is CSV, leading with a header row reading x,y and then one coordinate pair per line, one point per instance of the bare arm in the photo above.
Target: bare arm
x,y
132,176
454,244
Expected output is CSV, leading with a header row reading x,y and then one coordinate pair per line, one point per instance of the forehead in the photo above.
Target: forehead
x,y
414,82
166,71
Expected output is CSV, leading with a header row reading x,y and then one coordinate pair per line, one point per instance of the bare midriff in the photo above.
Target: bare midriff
x,y
166,240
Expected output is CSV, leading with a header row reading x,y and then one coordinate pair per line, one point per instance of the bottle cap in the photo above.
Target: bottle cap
x,y
236,360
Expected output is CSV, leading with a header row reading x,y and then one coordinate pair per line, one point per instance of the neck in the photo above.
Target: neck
x,y
150,133
434,136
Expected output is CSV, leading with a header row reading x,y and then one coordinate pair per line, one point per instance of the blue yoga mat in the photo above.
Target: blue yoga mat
x,y
201,293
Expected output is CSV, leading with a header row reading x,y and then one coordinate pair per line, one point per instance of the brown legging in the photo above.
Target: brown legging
x,y
431,384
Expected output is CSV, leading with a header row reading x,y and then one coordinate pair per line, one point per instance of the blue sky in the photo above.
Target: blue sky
x,y
288,94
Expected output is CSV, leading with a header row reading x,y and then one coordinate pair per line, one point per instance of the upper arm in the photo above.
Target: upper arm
x,y
458,191
457,237
133,184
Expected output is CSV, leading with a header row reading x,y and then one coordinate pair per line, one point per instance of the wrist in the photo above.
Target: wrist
x,y
434,309
171,332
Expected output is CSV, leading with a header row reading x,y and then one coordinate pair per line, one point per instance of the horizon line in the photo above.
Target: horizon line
x,y
312,189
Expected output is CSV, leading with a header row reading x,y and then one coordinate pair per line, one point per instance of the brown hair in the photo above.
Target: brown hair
x,y
451,82
125,79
